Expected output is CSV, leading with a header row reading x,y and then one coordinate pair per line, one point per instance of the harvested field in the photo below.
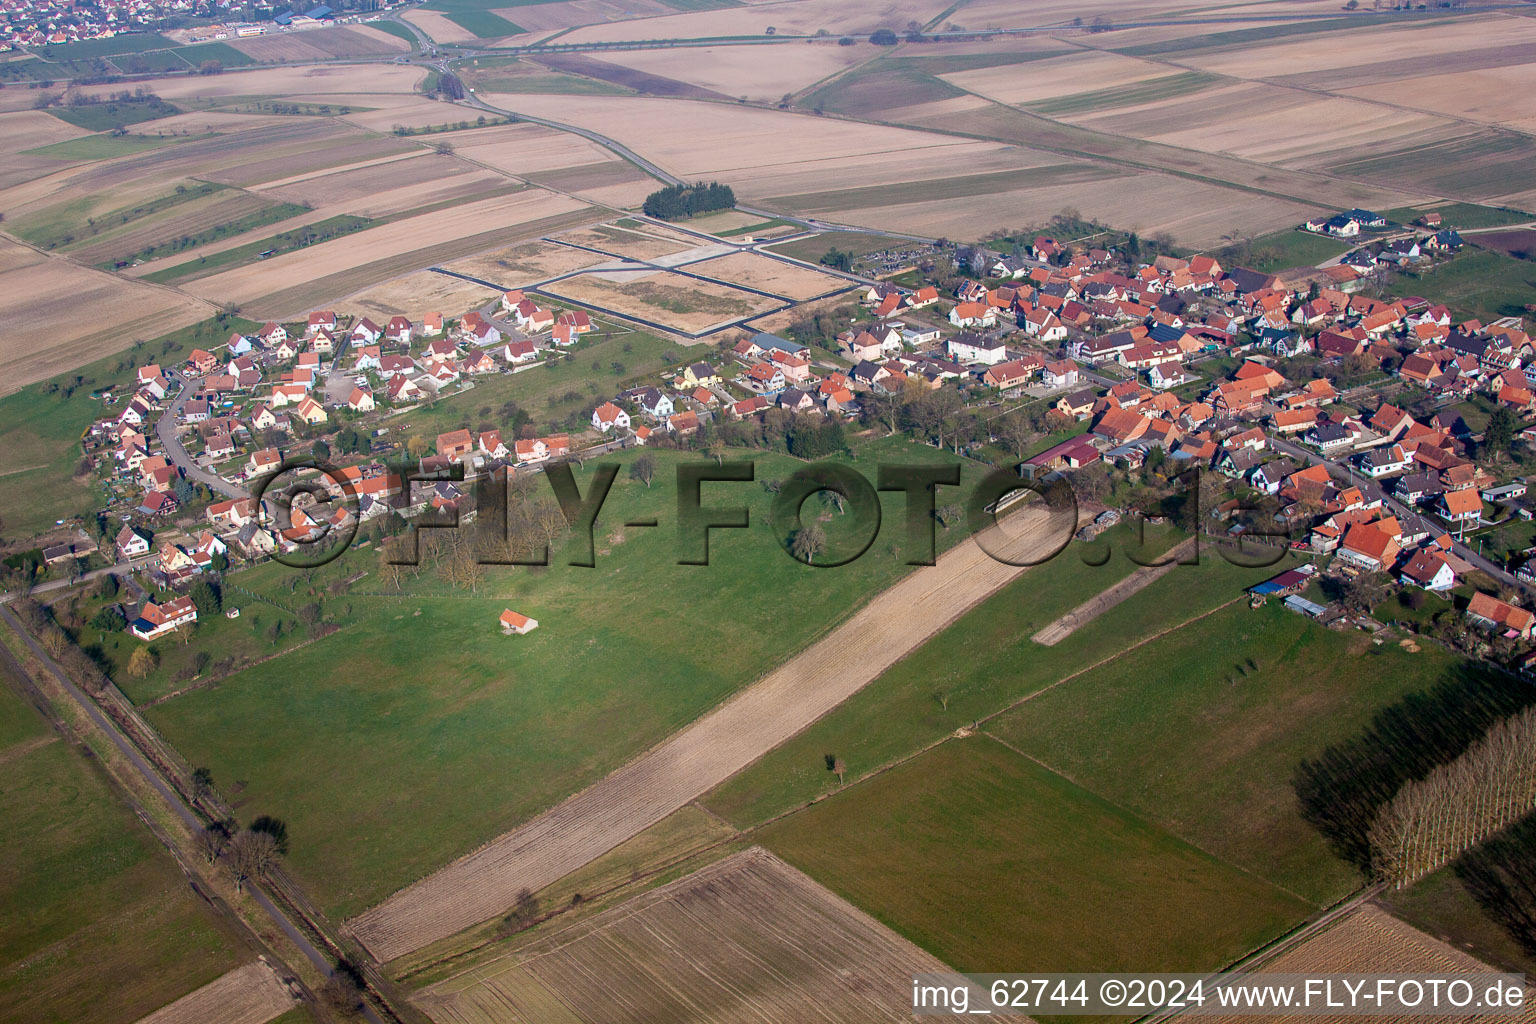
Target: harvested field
x,y
392,186
320,44
1519,243
1342,49
372,80
705,753
527,148
1056,76
520,265
14,255
1494,95
710,935
570,13
418,293
647,243
27,129
430,237
769,275
1195,213
1371,941
418,113
253,994
803,17
626,77
703,141
210,122
679,303
764,72
63,316
439,27
1097,605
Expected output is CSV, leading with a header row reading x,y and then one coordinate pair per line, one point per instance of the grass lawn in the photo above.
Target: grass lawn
x,y
1201,732
814,248
421,731
1283,250
100,925
484,24
1461,215
980,664
1479,283
991,862
100,117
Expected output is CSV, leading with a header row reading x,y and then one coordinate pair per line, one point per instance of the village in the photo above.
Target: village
x,y
1146,370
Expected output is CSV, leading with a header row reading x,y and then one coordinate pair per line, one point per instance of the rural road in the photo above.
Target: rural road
x,y
715,747
165,430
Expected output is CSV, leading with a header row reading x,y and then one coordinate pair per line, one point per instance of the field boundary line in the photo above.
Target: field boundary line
x,y
1142,817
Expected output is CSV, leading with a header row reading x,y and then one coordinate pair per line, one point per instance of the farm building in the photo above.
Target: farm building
x,y
512,622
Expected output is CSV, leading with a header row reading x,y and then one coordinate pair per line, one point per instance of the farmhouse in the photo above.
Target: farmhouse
x,y
512,622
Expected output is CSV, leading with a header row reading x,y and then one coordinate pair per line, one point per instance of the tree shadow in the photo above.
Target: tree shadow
x,y
1500,875
1340,792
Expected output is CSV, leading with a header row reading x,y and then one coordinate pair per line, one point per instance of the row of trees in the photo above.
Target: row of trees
x,y
676,202
1433,820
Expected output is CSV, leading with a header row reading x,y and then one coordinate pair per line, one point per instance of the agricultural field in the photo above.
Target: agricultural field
x,y
636,240
517,75
1371,941
101,924
519,265
313,744
290,283
64,315
711,932
417,293
767,274
760,73
983,857
321,44
682,304
782,703
253,994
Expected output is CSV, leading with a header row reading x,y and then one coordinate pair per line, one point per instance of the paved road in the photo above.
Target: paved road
x,y
1306,456
165,429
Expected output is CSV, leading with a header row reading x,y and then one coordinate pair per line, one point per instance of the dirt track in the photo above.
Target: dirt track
x,y
706,753
252,994
1078,617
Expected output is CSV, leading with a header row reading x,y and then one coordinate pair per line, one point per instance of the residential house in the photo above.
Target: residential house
x,y
1427,569
156,620
608,416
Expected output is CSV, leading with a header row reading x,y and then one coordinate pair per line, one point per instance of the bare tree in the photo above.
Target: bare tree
x,y
249,855
1017,432
838,769
809,542
211,841
643,469
1432,821
942,696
